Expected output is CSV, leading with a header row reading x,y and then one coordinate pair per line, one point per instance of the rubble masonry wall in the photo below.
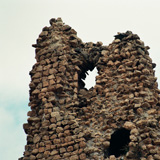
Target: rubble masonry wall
x,y
118,118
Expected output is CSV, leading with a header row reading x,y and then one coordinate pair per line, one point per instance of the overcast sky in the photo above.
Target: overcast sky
x,y
21,21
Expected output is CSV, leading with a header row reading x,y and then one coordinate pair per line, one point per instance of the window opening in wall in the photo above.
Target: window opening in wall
x,y
90,79
119,142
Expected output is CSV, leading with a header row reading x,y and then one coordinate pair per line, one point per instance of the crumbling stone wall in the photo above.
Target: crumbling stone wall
x,y
116,119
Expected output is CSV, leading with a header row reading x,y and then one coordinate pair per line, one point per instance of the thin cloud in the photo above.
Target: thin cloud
x,y
12,137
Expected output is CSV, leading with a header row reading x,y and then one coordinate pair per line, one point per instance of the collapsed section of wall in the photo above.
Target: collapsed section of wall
x,y
116,119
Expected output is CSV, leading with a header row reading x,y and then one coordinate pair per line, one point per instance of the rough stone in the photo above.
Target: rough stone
x,y
129,125
36,139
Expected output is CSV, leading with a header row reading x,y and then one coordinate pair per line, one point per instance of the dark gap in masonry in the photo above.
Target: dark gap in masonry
x,y
119,143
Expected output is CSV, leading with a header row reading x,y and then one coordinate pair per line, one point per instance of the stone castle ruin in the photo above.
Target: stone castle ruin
x,y
117,119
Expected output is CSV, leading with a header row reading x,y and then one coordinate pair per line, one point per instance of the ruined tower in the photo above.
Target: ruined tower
x,y
118,118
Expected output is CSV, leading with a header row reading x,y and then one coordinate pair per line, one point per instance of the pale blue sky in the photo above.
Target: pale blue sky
x,y
21,21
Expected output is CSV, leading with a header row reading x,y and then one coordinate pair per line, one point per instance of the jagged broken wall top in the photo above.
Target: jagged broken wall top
x,y
69,122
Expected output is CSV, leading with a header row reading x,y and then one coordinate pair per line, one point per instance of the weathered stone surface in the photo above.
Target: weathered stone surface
x,y
33,119
57,116
129,125
36,138
106,144
54,152
68,121
75,157
35,151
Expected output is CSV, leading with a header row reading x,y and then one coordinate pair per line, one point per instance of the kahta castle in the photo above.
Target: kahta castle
x,y
117,119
